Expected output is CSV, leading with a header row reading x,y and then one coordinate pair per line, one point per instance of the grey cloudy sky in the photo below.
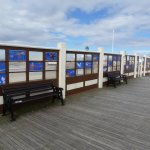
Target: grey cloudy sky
x,y
78,23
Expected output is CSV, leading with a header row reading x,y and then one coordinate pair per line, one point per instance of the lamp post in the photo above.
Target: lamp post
x,y
113,38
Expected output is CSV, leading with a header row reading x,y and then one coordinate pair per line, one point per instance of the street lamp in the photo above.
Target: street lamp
x,y
113,38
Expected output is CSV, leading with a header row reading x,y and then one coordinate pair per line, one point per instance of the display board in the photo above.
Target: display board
x,y
25,64
112,62
81,68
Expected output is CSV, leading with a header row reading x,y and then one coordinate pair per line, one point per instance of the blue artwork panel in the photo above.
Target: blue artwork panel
x,y
110,64
95,57
114,58
118,58
17,55
130,66
35,66
51,56
70,73
128,62
88,64
2,67
80,65
2,79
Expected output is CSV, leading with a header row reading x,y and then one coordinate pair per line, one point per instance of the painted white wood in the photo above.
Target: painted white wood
x,y
91,82
131,73
62,67
105,79
144,72
1,100
28,46
122,61
101,61
141,69
74,86
135,67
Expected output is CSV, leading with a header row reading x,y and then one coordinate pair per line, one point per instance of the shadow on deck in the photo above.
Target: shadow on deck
x,y
105,119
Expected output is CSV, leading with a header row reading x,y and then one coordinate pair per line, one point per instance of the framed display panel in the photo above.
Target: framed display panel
x,y
112,62
138,63
2,67
81,67
80,64
23,64
129,63
143,62
147,63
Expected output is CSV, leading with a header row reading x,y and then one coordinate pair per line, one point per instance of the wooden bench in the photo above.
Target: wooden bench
x,y
115,78
28,93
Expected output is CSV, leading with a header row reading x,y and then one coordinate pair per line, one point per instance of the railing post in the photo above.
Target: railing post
x,y
135,66
122,61
62,67
139,66
144,73
101,60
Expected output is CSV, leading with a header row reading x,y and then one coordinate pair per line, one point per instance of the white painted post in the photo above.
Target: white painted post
x,y
135,66
62,67
139,67
144,73
122,61
101,61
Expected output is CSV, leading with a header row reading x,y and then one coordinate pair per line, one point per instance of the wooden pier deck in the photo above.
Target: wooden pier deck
x,y
101,119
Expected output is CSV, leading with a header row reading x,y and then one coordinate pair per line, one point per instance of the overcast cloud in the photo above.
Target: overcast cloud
x,y
46,22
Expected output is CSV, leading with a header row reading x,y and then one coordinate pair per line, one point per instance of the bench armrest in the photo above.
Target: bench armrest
x,y
59,89
124,76
111,78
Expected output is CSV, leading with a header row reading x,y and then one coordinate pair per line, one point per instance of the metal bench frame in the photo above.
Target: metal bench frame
x,y
30,92
115,78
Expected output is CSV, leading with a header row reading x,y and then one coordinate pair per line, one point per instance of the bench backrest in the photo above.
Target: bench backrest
x,y
113,74
35,87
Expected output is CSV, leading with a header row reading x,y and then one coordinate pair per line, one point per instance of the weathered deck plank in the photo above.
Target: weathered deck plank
x,y
106,119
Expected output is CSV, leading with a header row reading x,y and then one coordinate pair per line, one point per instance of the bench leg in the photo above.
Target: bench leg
x,y
4,110
61,98
11,111
53,99
62,101
114,84
126,81
107,83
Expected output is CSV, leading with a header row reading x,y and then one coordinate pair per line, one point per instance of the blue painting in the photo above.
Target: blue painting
x,y
2,67
110,64
70,73
88,64
2,79
95,57
119,58
51,56
127,62
17,55
114,58
35,66
79,65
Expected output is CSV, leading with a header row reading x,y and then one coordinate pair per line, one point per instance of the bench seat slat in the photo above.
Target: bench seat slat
x,y
31,98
